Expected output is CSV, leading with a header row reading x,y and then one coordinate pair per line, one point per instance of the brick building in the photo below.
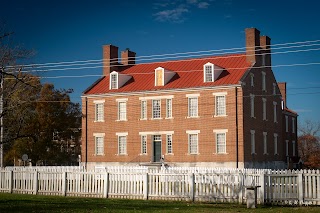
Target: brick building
x,y
221,111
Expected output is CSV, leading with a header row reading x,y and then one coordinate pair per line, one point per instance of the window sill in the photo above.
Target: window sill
x,y
120,120
253,117
99,121
193,117
143,119
222,153
156,119
169,154
169,118
122,154
218,116
193,153
98,155
143,154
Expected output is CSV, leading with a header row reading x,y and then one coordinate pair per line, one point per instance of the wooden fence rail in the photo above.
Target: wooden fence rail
x,y
284,187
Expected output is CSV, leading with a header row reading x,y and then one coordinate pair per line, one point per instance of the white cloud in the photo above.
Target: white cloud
x,y
175,15
203,5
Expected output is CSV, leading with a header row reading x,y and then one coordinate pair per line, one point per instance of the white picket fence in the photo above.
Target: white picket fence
x,y
215,185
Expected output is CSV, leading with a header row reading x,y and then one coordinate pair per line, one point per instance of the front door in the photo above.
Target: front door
x,y
156,148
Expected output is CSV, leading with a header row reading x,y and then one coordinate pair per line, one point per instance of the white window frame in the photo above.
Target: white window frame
x,y
293,125
287,147
275,140
193,146
218,111
114,84
253,142
265,143
275,119
169,144
252,105
143,110
193,110
252,79
223,144
99,112
143,144
274,88
122,148
287,123
264,109
168,108
293,148
157,111
263,83
122,110
206,74
97,147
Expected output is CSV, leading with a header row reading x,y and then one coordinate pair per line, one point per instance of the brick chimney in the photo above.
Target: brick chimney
x,y
253,45
110,59
266,50
128,57
283,90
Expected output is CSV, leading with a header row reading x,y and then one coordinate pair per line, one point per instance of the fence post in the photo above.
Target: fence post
x,y
64,183
300,188
262,188
145,186
191,185
35,182
241,187
10,181
106,185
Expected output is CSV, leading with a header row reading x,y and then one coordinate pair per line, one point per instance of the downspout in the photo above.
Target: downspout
x,y
237,142
86,157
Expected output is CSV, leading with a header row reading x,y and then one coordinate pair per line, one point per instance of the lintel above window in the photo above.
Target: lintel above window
x,y
211,72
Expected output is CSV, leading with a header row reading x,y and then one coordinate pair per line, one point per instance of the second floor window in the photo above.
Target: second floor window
x,y
193,107
275,112
264,81
264,109
143,109
99,112
156,108
122,111
252,105
220,105
169,108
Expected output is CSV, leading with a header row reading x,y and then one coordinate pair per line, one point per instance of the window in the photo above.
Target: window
x,y
263,81
122,144
287,148
169,108
275,140
159,78
143,110
264,109
252,79
193,143
99,141
208,73
293,125
122,110
287,128
253,143
265,143
220,105
169,144
99,112
293,148
221,142
274,88
252,105
275,112
114,81
143,144
193,107
156,108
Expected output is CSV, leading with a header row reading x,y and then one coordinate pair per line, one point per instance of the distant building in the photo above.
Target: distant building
x,y
216,111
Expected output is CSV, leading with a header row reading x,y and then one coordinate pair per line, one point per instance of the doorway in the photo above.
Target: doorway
x,y
156,148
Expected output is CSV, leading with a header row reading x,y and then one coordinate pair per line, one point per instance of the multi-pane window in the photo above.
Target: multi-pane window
x,y
193,143
221,142
114,81
293,148
208,71
263,81
143,109
99,141
252,105
287,123
275,112
253,142
287,148
169,144
275,139
220,105
193,106
265,143
156,108
99,112
293,125
252,79
169,108
143,144
264,109
122,144
274,88
122,110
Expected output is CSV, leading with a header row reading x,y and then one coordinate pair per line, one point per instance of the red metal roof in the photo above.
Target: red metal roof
x,y
189,74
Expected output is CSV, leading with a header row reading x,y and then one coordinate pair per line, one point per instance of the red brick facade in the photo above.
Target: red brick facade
x,y
190,140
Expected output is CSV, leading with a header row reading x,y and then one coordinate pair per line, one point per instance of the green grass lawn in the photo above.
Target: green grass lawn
x,y
37,203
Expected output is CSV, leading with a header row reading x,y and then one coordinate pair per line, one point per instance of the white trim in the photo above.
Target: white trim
x,y
192,131
156,97
157,133
204,72
192,95
220,130
219,93
121,133
99,101
121,99
99,134
263,81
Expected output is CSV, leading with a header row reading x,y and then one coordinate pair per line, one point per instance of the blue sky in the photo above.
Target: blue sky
x,y
76,30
